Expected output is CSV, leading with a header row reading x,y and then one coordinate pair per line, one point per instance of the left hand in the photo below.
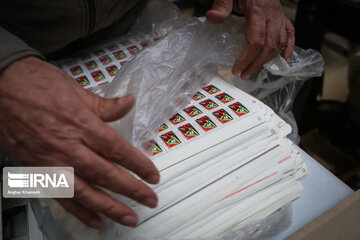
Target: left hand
x,y
268,31
48,119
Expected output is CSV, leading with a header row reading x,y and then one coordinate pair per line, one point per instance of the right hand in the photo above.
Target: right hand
x,y
268,32
47,119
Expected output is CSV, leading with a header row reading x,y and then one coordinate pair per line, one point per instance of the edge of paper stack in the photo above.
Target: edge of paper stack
x,y
237,173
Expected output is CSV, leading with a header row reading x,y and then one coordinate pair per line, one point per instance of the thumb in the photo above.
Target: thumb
x,y
107,109
220,11
112,109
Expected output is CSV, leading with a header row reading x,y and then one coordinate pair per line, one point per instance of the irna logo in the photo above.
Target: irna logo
x,y
38,182
19,180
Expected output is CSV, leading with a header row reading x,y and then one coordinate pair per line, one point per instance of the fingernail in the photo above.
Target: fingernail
x,y
150,202
129,220
153,179
95,224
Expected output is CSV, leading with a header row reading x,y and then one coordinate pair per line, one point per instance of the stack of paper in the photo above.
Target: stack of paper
x,y
224,161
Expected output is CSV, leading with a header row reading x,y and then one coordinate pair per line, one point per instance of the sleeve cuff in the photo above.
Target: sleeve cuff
x,y
13,48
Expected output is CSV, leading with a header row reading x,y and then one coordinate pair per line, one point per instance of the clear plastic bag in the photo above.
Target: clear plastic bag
x,y
159,79
164,76
278,82
266,227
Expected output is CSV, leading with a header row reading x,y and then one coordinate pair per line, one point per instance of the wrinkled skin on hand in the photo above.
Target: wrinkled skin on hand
x,y
268,31
47,119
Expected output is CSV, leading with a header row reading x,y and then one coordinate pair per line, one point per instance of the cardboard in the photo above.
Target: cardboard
x,y
340,222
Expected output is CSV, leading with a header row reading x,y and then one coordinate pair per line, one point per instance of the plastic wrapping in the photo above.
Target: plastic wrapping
x,y
264,228
278,82
164,76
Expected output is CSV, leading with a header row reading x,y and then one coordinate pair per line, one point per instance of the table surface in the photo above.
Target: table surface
x,y
322,190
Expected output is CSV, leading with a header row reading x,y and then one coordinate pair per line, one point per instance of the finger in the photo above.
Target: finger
x,y
248,55
271,49
220,11
255,35
113,109
289,48
105,141
98,201
100,172
85,215
255,27
109,144
266,55
107,109
283,38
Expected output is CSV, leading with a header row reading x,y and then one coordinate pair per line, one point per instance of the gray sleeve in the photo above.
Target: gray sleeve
x,y
13,48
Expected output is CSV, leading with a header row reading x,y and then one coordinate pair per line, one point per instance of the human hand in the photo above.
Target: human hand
x,y
47,119
268,31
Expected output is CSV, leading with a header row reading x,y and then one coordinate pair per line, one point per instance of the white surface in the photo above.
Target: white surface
x,y
322,190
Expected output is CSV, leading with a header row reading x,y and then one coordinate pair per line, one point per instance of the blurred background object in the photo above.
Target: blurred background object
x,y
327,108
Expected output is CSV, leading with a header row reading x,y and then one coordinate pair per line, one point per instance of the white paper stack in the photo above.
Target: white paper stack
x,y
224,161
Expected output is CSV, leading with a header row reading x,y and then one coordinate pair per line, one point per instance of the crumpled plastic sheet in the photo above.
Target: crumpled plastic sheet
x,y
278,82
264,228
164,76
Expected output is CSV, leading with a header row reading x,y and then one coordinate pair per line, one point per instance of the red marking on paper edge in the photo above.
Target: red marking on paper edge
x,y
283,160
242,189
